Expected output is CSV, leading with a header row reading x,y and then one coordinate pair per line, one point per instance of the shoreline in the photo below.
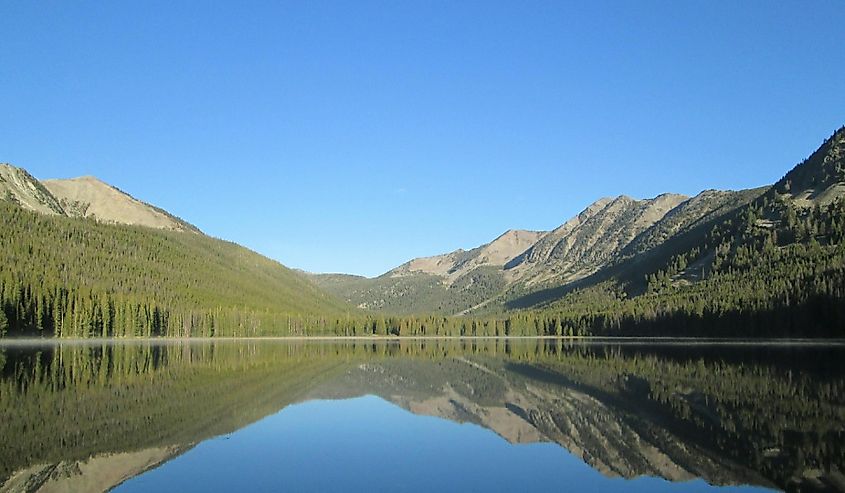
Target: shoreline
x,y
633,340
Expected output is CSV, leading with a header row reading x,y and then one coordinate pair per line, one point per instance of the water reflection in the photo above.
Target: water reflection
x,y
92,416
368,444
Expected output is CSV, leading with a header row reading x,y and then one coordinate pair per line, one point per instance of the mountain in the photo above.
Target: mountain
x,y
619,249
86,197
606,232
452,266
590,240
701,209
81,258
19,187
680,230
91,198
761,262
819,179
774,267
448,283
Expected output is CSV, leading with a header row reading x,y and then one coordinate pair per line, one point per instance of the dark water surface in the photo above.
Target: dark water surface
x,y
420,415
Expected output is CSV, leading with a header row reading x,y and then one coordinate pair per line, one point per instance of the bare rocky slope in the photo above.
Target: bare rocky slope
x,y
603,234
18,186
452,266
704,207
85,197
89,197
590,240
614,239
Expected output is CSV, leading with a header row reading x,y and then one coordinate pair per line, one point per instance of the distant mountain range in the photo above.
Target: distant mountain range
x,y
81,257
617,238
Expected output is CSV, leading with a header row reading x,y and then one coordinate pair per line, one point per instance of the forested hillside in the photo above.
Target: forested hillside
x,y
603,235
447,284
772,268
755,263
416,292
77,277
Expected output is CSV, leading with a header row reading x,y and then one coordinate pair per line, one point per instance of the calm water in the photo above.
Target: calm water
x,y
420,416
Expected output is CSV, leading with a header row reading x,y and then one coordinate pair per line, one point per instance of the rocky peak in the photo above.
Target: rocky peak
x,y
90,197
591,239
86,196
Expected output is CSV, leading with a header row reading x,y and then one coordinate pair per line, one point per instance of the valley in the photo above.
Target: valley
x,y
82,258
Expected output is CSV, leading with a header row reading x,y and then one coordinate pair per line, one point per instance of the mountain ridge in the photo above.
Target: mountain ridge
x,y
819,179
19,187
81,258
620,266
90,197
85,197
614,238
603,233
584,244
452,265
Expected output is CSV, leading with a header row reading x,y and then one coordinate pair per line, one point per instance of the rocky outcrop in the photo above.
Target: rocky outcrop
x,y
592,239
18,186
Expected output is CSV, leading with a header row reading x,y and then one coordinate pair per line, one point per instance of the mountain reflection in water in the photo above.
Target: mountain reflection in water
x,y
608,416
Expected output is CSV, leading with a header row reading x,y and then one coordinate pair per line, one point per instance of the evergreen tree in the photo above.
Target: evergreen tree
x,y
4,322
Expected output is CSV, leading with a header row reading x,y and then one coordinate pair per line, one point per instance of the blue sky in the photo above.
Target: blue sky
x,y
352,136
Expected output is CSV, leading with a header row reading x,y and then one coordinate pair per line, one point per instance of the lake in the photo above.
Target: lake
x,y
421,415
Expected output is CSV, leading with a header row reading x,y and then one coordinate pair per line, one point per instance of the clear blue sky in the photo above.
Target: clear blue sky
x,y
351,136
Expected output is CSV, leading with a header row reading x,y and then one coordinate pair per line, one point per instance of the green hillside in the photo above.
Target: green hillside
x,y
755,263
77,277
775,267
416,292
